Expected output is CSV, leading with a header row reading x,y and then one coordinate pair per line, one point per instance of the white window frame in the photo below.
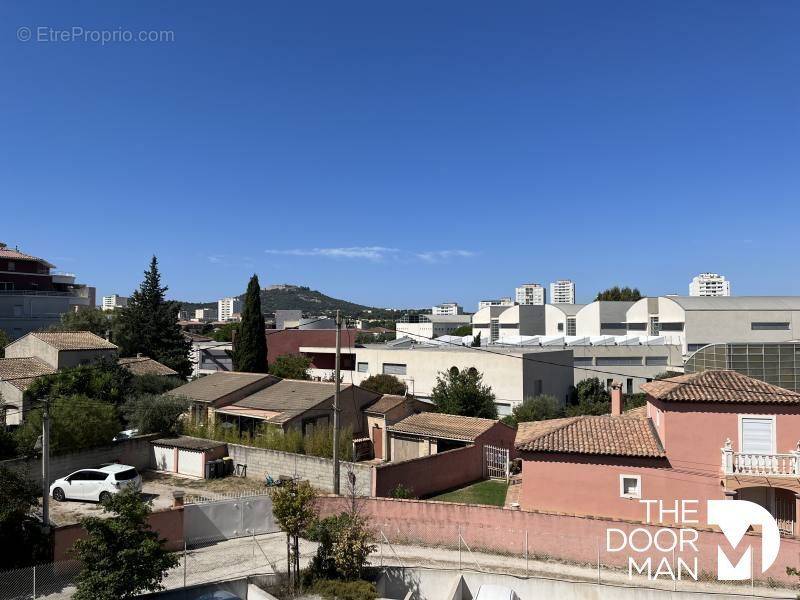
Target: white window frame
x,y
622,479
765,418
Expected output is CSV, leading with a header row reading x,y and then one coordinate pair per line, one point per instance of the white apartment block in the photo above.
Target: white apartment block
x,y
710,284
227,307
205,314
427,327
114,301
447,309
562,292
496,302
531,293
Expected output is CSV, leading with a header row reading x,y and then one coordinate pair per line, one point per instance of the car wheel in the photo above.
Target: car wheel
x,y
58,494
104,496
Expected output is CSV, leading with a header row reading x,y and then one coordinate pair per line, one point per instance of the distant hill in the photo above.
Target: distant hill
x,y
295,297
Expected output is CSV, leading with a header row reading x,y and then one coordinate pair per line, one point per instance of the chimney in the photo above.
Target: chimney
x,y
616,398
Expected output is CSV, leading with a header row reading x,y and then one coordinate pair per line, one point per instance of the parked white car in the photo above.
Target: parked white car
x,y
96,484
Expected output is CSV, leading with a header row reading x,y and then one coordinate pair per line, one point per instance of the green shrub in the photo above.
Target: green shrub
x,y
333,589
402,492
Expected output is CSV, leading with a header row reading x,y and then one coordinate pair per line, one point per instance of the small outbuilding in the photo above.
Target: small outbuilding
x,y
186,455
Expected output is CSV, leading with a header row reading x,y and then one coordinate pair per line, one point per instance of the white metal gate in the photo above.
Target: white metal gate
x,y
495,462
228,519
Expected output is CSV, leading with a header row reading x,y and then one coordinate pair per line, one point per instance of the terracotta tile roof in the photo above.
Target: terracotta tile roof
x,y
639,411
73,340
144,365
20,372
188,443
11,254
621,435
530,430
385,403
719,386
438,425
221,384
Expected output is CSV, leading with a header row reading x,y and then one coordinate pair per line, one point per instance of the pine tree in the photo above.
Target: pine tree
x,y
149,324
250,346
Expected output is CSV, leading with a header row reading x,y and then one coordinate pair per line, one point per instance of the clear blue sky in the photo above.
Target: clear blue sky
x,y
406,153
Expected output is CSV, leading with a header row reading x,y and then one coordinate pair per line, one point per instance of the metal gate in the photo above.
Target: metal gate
x,y
495,462
227,519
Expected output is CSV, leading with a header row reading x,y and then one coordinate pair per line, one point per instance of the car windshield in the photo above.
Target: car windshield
x,y
125,475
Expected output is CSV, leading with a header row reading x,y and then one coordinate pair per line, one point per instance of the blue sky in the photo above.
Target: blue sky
x,y
401,154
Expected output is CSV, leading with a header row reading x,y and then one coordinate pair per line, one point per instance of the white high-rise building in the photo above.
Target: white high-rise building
x,y
114,301
447,309
204,315
531,293
227,307
710,284
562,292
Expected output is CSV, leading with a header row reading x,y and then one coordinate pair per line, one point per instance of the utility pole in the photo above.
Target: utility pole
x,y
46,463
336,405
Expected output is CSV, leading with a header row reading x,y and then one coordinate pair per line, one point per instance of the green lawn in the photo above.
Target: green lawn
x,y
489,492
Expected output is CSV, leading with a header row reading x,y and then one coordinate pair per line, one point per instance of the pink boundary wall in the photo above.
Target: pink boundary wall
x,y
561,536
431,474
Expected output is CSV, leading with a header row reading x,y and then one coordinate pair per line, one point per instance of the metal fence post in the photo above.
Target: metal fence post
x,y
459,547
526,553
184,564
34,582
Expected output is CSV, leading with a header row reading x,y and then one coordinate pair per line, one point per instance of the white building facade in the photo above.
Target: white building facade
x,y
531,293
114,301
227,307
496,302
447,309
710,284
562,292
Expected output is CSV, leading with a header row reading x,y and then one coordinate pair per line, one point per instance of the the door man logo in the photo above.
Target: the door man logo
x,y
677,545
734,518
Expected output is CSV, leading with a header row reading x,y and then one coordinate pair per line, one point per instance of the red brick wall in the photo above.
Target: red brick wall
x,y
428,475
289,341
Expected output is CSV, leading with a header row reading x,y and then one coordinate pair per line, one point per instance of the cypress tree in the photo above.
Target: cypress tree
x,y
250,347
149,324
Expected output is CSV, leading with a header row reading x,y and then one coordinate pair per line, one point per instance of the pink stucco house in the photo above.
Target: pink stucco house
x,y
709,435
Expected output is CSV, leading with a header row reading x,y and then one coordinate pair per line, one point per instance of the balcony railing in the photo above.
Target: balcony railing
x,y
760,465
78,293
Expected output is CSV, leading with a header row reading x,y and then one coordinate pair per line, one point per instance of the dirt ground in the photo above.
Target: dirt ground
x,y
158,488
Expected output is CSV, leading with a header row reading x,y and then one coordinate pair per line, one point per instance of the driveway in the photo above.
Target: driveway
x,y
158,488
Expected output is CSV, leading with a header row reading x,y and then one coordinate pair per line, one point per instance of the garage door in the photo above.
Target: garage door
x,y
191,463
165,458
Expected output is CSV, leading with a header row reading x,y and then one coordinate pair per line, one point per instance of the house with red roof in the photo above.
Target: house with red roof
x,y
700,436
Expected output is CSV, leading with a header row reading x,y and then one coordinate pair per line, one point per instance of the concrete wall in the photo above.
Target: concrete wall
x,y
136,452
319,471
428,475
64,359
22,314
168,524
12,398
557,535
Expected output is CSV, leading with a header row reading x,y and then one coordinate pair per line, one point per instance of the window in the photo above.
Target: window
x,y
572,328
629,386
561,327
695,347
637,326
654,326
12,266
362,367
394,369
126,475
764,326
671,326
537,387
757,435
612,326
656,361
608,361
582,361
630,486
494,330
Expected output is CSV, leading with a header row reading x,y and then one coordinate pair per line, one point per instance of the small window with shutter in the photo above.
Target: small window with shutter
x,y
757,435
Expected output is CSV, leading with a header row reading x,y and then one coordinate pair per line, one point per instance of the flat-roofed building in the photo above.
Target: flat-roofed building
x,y
694,322
422,327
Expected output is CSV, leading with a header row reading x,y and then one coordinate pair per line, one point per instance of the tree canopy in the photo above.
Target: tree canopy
x,y
121,556
462,392
591,398
620,294
151,413
24,542
149,324
384,384
291,366
535,408
104,380
4,341
250,347
98,321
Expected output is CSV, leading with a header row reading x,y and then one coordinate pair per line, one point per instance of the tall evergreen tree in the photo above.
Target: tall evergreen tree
x,y
149,324
250,346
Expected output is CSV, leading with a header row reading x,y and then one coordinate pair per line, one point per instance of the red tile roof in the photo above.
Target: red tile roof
x,y
439,425
621,435
20,372
719,386
10,254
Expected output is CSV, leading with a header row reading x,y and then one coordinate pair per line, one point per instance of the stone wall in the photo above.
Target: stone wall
x,y
319,471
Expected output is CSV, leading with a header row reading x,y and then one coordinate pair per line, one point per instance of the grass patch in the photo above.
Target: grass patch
x,y
490,492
